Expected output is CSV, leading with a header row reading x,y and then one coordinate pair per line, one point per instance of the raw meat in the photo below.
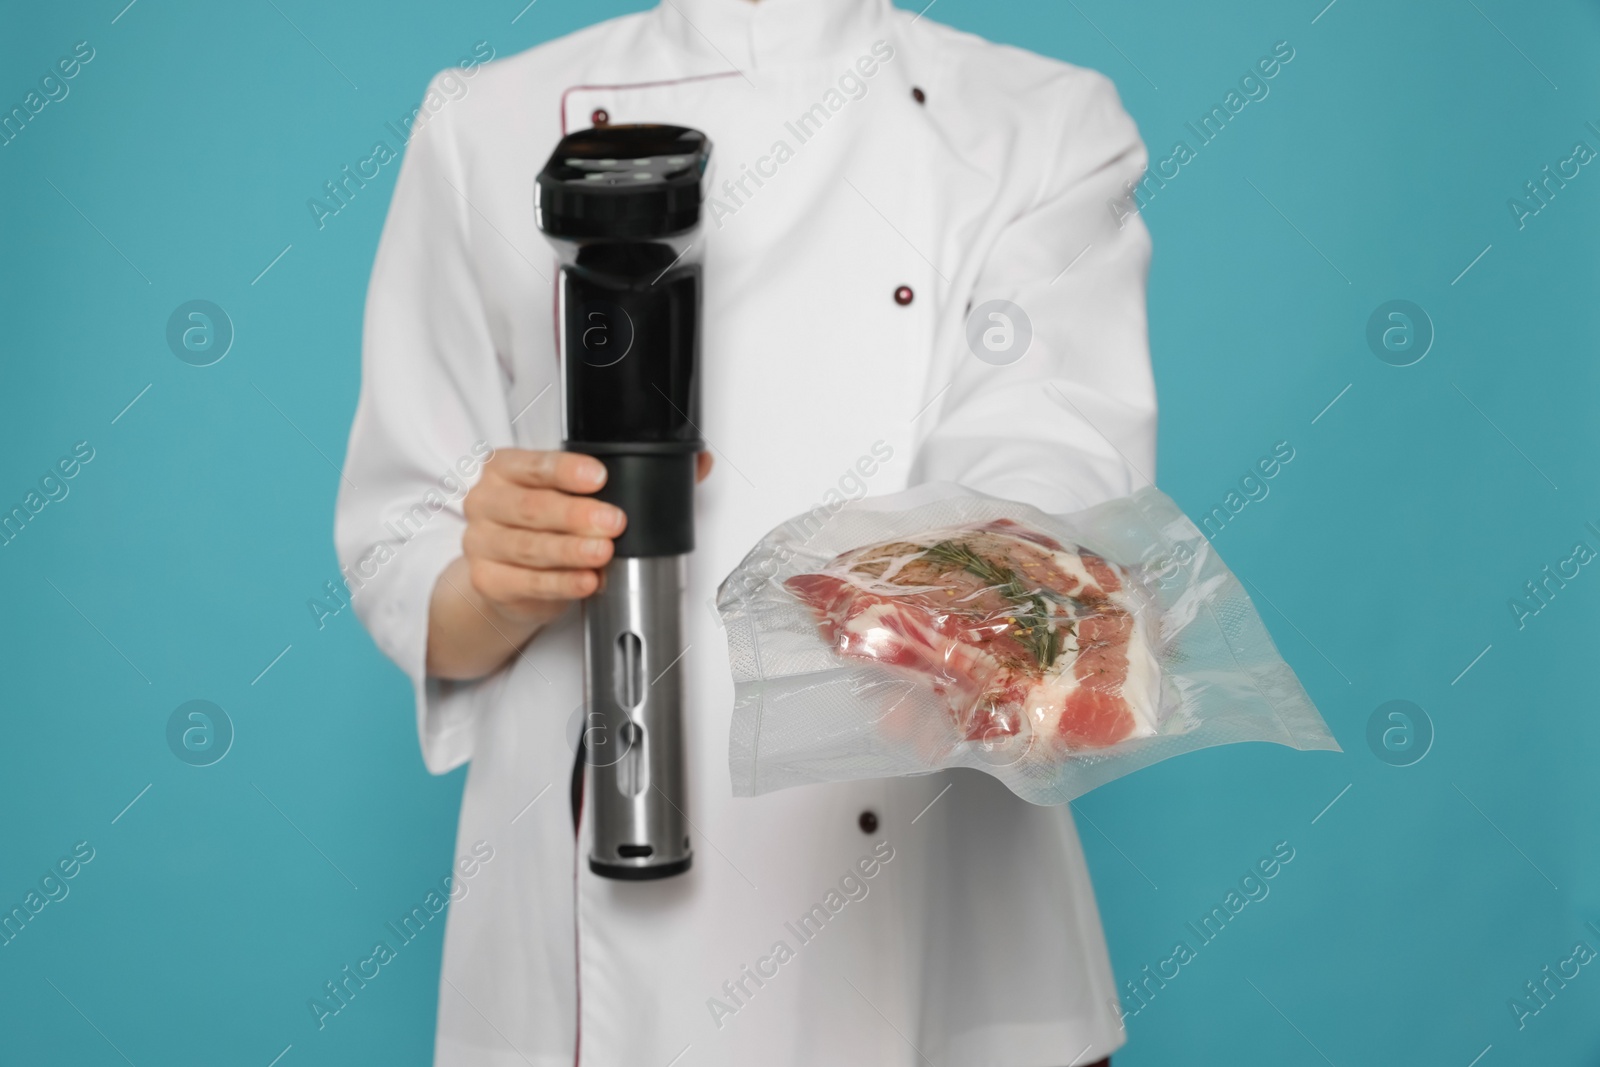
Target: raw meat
x,y
1027,641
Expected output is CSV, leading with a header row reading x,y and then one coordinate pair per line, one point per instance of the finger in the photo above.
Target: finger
x,y
569,472
535,548
702,466
505,583
548,510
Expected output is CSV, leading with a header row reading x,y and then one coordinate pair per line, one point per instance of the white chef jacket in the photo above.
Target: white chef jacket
x,y
836,298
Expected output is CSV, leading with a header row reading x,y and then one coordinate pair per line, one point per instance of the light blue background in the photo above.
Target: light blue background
x,y
1416,905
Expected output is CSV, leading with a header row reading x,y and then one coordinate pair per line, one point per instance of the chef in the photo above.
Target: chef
x,y
919,266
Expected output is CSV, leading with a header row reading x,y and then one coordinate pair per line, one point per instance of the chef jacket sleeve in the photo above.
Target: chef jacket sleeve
x,y
432,404
1073,422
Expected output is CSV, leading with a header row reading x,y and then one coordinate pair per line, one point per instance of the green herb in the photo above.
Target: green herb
x,y
1033,613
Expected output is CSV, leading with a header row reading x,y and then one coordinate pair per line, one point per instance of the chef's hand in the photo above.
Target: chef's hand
x,y
534,542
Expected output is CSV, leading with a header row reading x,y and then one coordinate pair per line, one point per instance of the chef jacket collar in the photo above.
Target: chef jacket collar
x,y
768,34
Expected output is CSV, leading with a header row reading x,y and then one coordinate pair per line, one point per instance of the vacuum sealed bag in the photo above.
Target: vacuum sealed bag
x,y
943,628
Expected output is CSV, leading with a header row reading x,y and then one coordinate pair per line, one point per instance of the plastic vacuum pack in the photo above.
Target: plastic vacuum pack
x,y
939,628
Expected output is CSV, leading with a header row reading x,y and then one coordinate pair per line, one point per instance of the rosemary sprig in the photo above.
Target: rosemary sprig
x,y
1033,614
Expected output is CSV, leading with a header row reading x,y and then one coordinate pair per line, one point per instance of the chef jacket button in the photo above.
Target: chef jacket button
x,y
903,295
918,95
868,822
600,117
